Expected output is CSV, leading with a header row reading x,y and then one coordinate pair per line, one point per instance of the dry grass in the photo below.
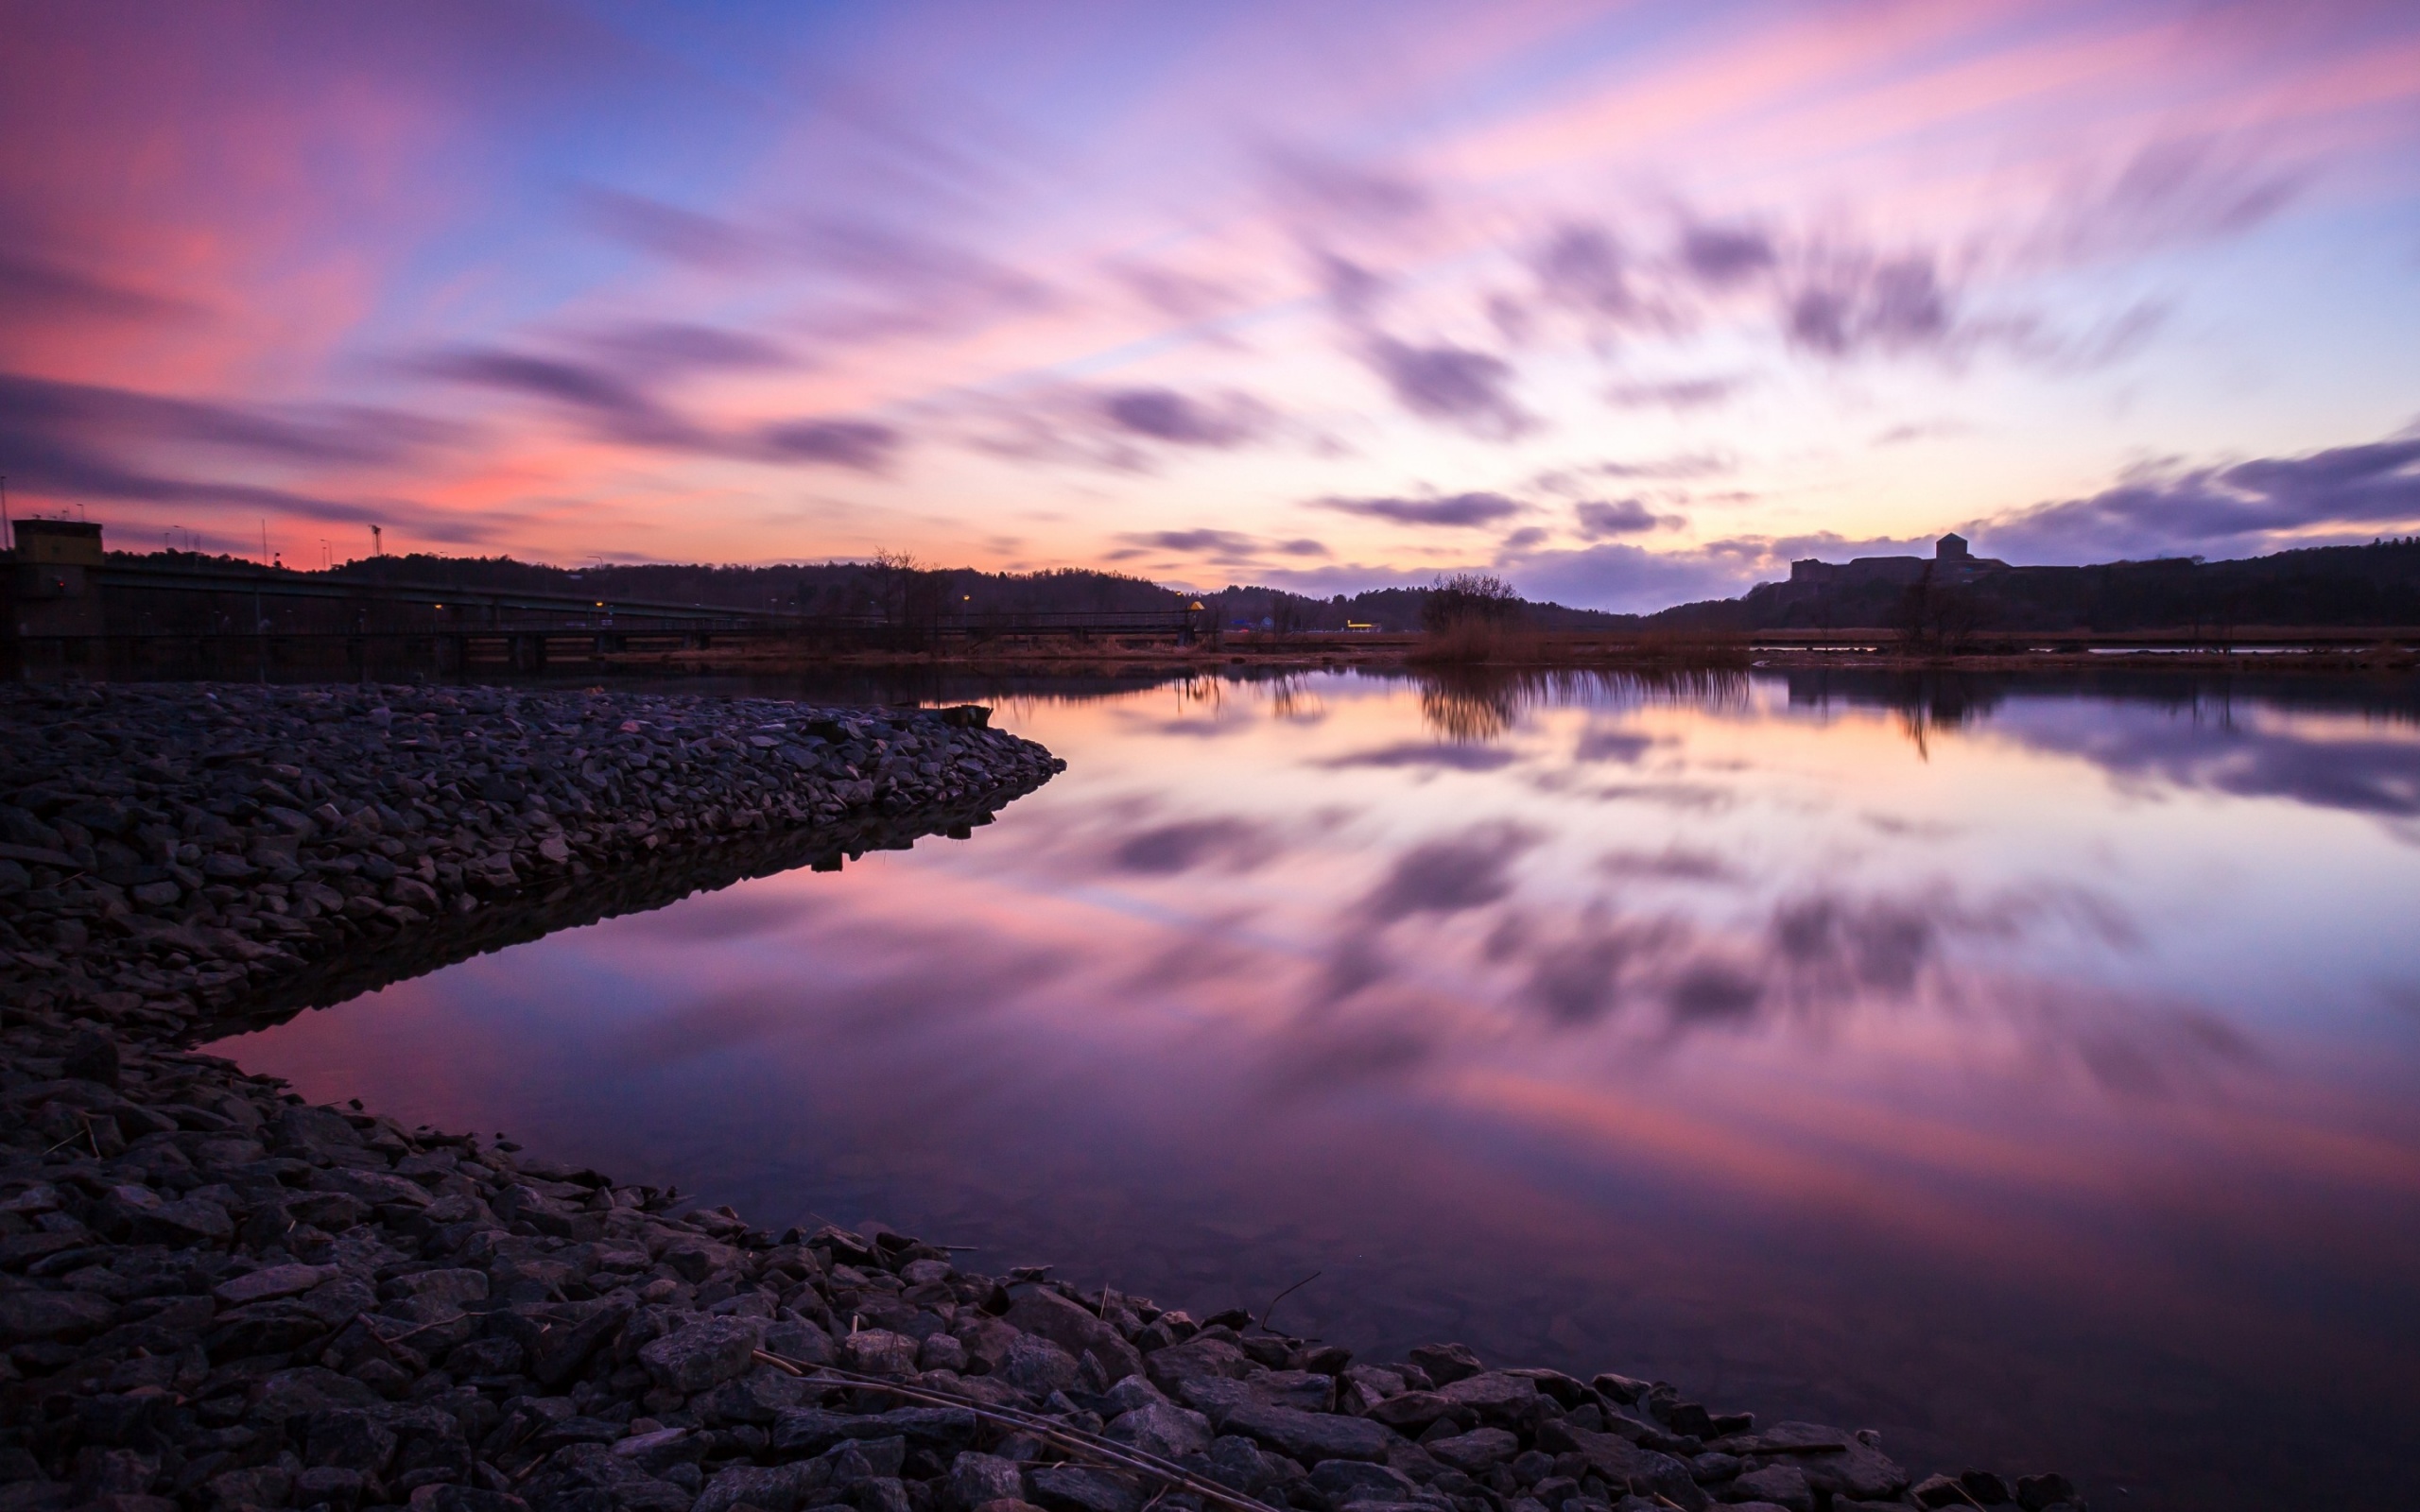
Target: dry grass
x,y
1479,643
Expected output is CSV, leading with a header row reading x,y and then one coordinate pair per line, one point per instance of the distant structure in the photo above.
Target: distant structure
x,y
1952,559
46,590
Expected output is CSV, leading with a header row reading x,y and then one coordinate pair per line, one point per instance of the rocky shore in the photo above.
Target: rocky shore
x,y
216,1296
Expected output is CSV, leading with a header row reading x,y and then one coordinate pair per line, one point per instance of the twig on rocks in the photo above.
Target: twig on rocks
x,y
1074,1440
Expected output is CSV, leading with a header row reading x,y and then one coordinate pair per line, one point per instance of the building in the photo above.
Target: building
x,y
46,592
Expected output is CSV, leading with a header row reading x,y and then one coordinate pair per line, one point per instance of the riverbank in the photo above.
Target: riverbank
x,y
213,1295
1315,653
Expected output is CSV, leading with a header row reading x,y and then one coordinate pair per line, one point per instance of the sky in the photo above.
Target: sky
x,y
1633,303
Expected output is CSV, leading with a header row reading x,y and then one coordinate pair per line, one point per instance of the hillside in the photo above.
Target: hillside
x,y
2321,587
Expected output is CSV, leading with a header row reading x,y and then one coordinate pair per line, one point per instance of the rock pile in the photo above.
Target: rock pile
x,y
167,851
215,1295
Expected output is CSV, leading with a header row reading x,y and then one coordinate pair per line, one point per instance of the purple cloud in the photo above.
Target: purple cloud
x,y
671,349
611,408
2243,507
1455,384
1456,511
1853,303
1720,257
1600,518
1325,189
85,441
1583,267
34,286
1219,546
863,445
1164,415
671,233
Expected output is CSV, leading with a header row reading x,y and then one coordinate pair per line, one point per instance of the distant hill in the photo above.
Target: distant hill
x,y
2319,587
882,588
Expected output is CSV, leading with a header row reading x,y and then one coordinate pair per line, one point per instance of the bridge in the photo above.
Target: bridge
x,y
68,609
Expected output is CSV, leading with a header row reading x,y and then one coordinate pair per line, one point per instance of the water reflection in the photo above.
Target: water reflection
x,y
2039,1095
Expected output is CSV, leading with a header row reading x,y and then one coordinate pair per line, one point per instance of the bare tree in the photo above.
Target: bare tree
x,y
1464,598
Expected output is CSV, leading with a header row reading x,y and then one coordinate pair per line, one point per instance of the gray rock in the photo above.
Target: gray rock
x,y
1445,1364
704,1354
1083,1489
1038,1367
880,1352
1473,1451
774,1489
975,1479
1497,1397
1195,1359
1784,1486
1622,1462
29,1317
1413,1411
454,1287
270,1282
1064,1323
1346,1482
805,1343
1162,1428
1309,1437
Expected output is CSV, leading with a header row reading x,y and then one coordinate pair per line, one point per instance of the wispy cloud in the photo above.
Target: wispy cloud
x,y
1454,511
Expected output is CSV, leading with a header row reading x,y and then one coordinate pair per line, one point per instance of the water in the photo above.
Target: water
x,y
2025,1068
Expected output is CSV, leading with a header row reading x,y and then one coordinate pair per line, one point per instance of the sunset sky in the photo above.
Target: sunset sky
x,y
1634,303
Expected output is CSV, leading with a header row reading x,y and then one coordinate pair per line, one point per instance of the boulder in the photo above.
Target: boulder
x,y
1309,1437
704,1354
1047,1314
1163,1429
1473,1451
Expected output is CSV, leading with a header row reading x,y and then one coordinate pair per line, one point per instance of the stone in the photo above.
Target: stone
x,y
91,1056
1309,1437
1084,1488
267,1487
1194,1359
1038,1367
1346,1482
2036,1492
803,1343
31,1316
272,1282
1624,1464
1495,1396
1163,1429
880,1352
328,1485
444,1496
1473,1451
977,1480
940,1351
1069,1326
1445,1364
452,1287
704,1354
1413,1411
774,1489
1784,1486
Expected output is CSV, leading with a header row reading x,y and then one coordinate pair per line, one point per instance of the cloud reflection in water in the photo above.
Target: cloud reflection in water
x,y
1975,1085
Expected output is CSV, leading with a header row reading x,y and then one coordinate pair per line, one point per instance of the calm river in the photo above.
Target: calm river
x,y
2026,1069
